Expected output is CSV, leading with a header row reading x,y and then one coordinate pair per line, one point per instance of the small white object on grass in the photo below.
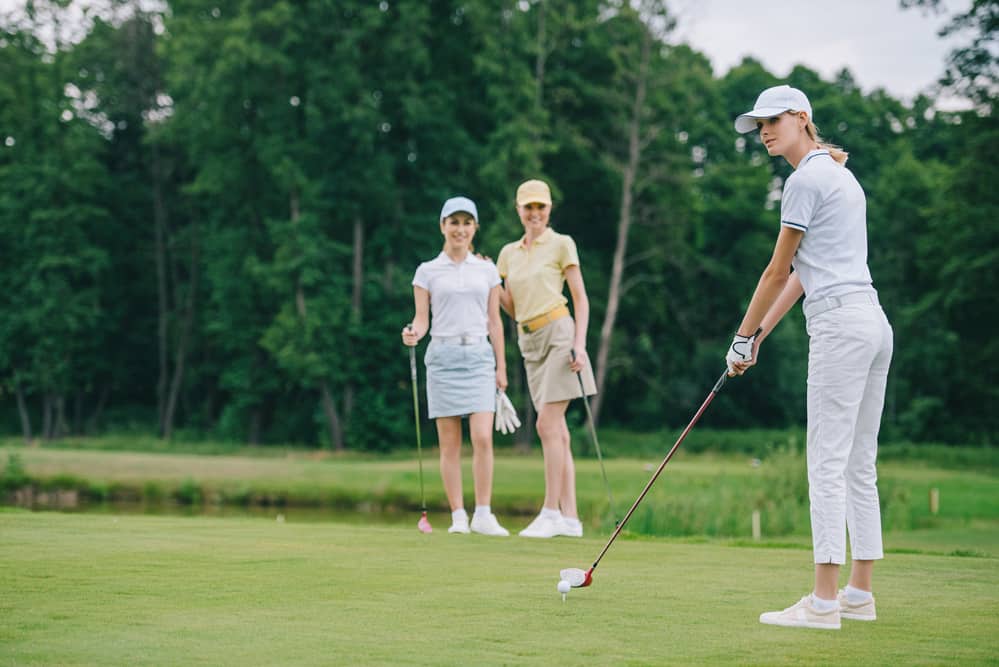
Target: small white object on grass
x,y
563,588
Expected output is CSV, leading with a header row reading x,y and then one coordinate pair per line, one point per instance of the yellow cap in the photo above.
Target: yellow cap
x,y
534,192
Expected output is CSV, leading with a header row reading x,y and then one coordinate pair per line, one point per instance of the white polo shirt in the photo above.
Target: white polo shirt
x,y
823,199
459,294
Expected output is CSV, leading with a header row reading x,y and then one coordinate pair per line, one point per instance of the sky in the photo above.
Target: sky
x,y
881,44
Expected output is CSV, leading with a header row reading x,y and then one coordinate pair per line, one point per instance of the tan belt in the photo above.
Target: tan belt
x,y
536,323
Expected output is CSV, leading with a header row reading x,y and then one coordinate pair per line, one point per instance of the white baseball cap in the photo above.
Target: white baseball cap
x,y
455,204
773,102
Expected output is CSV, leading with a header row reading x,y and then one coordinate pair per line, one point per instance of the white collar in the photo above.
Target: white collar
x,y
813,153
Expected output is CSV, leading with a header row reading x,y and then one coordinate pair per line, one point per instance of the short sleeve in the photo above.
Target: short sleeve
x,y
502,263
493,273
567,255
422,277
799,203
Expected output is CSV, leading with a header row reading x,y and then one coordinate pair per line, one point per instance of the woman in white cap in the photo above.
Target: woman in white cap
x,y
823,237
535,270
457,300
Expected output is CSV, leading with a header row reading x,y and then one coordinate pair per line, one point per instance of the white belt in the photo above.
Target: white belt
x,y
459,340
818,306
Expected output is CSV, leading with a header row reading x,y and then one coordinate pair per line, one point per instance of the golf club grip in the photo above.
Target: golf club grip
x,y
655,476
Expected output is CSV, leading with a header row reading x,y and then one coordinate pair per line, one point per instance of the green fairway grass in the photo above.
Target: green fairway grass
x,y
86,589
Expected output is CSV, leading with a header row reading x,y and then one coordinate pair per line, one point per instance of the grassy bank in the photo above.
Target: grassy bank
x,y
101,590
699,495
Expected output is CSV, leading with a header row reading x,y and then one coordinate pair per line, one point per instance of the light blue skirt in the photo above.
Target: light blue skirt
x,y
461,379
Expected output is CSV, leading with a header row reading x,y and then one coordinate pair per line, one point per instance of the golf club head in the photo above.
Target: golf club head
x,y
576,577
424,524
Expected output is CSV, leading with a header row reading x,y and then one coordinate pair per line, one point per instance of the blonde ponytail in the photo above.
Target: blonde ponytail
x,y
835,152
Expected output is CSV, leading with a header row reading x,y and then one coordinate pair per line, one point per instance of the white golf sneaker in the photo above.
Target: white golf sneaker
x,y
856,612
486,524
543,526
803,615
459,525
571,527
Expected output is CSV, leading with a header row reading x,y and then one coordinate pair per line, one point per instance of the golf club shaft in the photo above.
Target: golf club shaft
x,y
416,421
707,401
593,435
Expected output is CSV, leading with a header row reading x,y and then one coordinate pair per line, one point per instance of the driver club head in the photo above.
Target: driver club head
x,y
424,524
576,577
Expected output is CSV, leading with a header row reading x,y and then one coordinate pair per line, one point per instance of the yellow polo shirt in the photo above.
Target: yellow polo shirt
x,y
535,275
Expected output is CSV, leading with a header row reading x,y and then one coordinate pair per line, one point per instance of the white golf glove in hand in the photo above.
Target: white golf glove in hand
x,y
506,416
741,350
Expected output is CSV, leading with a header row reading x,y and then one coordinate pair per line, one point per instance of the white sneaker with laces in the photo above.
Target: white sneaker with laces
x,y
803,615
543,526
856,612
487,524
459,525
571,527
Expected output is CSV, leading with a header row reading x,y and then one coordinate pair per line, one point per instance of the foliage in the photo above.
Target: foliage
x,y
218,207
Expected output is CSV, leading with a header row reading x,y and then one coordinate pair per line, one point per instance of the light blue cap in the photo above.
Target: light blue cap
x,y
455,204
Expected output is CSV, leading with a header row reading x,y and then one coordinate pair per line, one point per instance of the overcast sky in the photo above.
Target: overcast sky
x,y
881,44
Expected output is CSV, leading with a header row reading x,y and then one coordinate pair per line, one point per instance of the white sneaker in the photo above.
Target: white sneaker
x,y
856,612
486,524
459,525
571,527
803,615
543,526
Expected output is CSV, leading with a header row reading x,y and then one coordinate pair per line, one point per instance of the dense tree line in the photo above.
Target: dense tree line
x,y
211,211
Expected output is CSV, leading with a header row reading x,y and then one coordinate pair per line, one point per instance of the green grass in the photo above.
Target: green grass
x,y
86,589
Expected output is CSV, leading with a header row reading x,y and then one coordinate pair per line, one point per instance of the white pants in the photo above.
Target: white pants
x,y
849,352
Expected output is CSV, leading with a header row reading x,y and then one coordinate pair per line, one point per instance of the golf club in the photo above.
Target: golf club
x,y
579,578
593,436
424,523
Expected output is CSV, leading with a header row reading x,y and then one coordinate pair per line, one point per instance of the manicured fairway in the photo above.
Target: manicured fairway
x,y
85,589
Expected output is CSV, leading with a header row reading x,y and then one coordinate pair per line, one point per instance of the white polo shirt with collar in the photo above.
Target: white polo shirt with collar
x,y
459,294
823,199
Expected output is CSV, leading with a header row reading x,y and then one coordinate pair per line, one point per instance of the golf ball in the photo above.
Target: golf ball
x,y
563,587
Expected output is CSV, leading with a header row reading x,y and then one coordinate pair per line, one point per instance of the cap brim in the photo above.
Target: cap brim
x,y
474,214
747,121
534,200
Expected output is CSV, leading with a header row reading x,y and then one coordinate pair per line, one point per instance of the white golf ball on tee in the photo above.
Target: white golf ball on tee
x,y
563,587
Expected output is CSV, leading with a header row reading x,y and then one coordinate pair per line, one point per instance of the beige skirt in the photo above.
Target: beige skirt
x,y
547,353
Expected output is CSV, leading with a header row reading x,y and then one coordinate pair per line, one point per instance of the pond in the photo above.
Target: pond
x,y
70,502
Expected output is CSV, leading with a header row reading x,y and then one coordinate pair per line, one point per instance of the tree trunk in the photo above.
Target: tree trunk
x,y
60,429
162,292
623,226
77,426
329,405
356,309
22,410
94,418
333,421
47,417
183,341
541,60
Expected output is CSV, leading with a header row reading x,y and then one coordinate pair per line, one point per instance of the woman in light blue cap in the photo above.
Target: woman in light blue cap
x,y
823,238
457,302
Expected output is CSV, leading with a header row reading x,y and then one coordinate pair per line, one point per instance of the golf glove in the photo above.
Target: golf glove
x,y
506,416
741,349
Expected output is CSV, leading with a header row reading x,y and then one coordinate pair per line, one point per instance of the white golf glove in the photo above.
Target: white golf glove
x,y
506,416
741,349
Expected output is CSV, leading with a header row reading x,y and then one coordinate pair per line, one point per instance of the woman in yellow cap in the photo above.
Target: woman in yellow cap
x,y
535,270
